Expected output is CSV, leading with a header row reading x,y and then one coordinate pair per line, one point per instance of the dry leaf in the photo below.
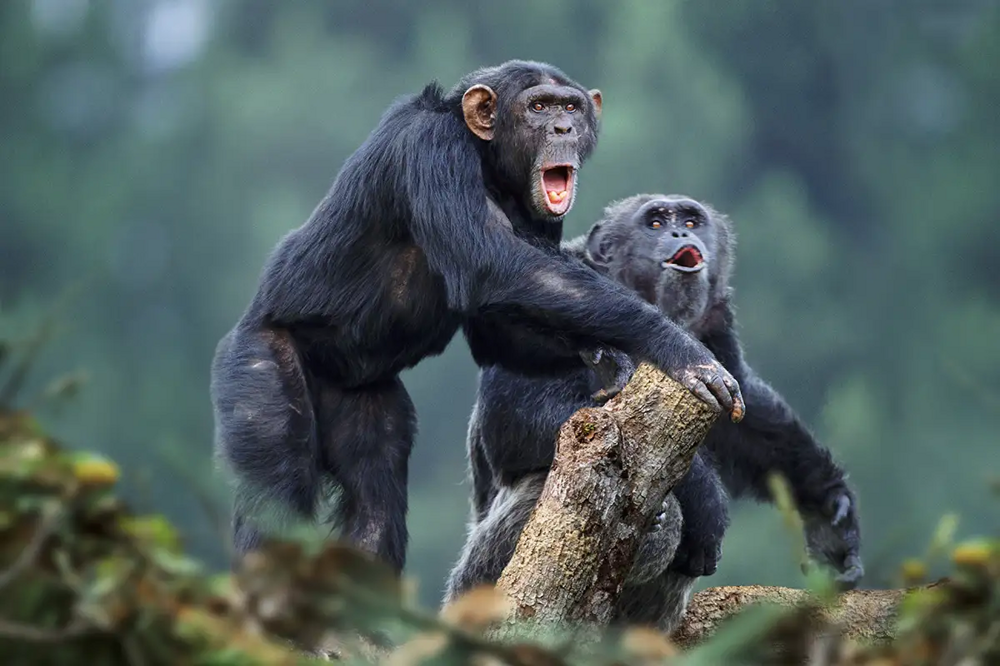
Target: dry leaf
x,y
535,655
418,649
477,609
648,644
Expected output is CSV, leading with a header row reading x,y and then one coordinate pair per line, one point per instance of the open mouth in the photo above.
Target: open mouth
x,y
557,183
687,259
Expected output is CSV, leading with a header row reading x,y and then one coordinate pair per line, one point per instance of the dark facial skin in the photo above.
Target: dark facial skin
x,y
666,255
547,131
556,115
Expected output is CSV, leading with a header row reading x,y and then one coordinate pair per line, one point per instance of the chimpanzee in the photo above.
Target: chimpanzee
x,y
677,253
441,220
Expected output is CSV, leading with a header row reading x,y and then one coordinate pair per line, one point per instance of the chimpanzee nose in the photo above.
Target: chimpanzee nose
x,y
679,234
563,128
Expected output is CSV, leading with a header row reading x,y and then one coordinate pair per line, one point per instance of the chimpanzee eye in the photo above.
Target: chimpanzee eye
x,y
538,106
571,107
655,224
689,224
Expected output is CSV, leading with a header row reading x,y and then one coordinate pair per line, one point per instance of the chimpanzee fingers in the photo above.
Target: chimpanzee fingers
x,y
693,562
717,384
712,560
601,396
701,391
724,388
852,574
854,566
739,407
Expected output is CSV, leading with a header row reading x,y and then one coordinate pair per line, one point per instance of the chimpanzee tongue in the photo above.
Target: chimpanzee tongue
x,y
688,257
556,183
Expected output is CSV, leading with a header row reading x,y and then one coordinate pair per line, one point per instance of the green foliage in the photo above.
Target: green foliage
x,y
86,581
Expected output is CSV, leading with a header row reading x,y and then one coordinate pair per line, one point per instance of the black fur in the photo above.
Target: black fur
x,y
645,243
427,229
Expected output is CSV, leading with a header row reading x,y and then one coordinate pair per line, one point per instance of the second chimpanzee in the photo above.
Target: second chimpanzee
x,y
678,254
432,225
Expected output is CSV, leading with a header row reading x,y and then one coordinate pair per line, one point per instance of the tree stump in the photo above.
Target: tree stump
x,y
613,467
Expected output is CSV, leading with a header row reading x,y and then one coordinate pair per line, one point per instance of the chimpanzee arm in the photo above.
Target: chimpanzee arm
x,y
773,438
488,270
517,419
539,353
705,509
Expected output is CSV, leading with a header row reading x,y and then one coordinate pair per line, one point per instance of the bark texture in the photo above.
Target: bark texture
x,y
613,467
864,615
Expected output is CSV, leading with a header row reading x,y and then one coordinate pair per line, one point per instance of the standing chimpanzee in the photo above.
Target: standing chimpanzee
x,y
678,254
438,221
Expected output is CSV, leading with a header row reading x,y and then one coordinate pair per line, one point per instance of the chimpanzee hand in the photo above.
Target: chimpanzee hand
x,y
711,383
706,378
659,544
612,369
698,555
833,536
705,509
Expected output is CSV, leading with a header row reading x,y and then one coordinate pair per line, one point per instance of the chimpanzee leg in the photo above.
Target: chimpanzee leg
x,y
265,431
491,541
367,436
660,603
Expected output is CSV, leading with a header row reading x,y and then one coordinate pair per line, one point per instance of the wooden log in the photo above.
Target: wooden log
x,y
613,467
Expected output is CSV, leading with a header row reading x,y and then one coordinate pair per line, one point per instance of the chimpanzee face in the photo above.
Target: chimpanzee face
x,y
540,135
665,250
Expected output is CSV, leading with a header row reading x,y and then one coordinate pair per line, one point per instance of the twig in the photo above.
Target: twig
x,y
31,552
26,632
61,388
132,652
10,388
19,374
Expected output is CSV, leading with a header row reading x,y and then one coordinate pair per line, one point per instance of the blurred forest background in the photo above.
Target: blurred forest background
x,y
152,152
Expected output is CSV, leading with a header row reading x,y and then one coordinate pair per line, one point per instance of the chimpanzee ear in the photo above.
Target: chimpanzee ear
x,y
595,95
599,247
479,105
